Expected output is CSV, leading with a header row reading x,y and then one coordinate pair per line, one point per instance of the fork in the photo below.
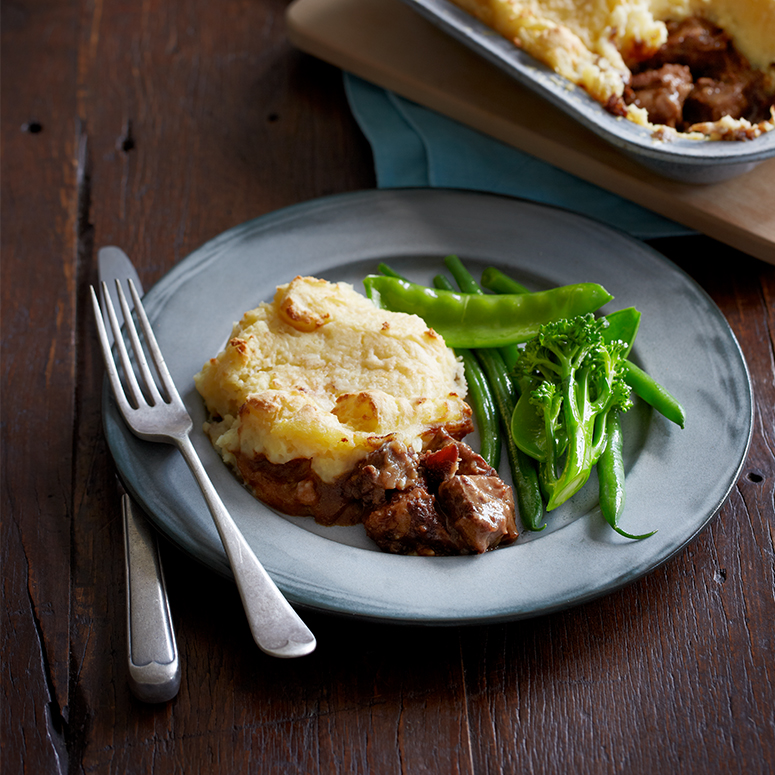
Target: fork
x,y
156,414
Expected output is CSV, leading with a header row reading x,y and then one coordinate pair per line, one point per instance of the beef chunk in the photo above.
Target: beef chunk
x,y
446,501
468,461
693,42
712,100
479,512
409,524
662,93
391,467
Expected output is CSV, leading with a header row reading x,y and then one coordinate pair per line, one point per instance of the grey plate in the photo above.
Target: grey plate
x,y
677,479
690,161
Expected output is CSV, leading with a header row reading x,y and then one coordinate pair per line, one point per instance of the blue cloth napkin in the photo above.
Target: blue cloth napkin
x,y
417,147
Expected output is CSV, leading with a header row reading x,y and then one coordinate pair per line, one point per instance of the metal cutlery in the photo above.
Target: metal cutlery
x,y
152,650
155,412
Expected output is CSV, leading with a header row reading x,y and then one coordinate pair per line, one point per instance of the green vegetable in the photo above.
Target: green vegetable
x,y
481,398
462,276
478,320
389,271
523,470
485,411
623,325
479,393
494,280
467,284
610,474
654,394
576,380
524,474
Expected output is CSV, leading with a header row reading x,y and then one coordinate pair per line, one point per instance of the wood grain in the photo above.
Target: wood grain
x,y
164,124
39,291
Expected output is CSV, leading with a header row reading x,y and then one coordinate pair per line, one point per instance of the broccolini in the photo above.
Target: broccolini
x,y
571,380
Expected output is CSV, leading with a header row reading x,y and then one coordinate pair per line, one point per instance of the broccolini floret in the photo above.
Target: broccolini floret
x,y
573,378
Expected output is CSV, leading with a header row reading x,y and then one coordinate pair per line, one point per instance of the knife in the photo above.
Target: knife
x,y
154,665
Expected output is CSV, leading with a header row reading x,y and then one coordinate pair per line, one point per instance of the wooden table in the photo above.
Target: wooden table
x,y
156,126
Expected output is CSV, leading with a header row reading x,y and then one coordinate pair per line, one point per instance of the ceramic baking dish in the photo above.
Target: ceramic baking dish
x,y
689,161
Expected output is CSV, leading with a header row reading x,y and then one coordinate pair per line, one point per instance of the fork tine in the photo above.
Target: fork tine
x,y
107,356
136,394
153,346
142,363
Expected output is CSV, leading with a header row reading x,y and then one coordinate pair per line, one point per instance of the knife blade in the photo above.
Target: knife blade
x,y
152,651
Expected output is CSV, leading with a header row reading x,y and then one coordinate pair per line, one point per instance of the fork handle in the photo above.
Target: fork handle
x,y
276,627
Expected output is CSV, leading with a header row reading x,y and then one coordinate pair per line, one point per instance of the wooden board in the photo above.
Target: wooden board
x,y
389,44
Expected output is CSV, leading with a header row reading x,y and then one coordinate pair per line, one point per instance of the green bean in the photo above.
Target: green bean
x,y
494,280
610,474
523,470
480,395
442,283
388,271
485,412
462,276
654,394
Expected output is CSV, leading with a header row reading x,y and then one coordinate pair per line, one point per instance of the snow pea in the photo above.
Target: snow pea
x,y
467,284
654,394
478,320
622,325
528,429
389,271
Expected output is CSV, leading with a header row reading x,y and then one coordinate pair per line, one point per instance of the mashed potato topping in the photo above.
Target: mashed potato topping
x,y
323,375
594,43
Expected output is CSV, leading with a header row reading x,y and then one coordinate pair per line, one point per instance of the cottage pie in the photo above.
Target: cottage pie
x,y
701,68
327,406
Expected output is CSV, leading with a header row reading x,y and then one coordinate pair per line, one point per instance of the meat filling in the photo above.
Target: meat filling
x,y
445,501
456,505
697,76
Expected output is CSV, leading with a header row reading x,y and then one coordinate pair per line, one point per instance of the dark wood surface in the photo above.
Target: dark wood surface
x,y
155,126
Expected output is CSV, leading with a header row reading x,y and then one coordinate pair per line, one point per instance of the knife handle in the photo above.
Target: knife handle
x,y
154,666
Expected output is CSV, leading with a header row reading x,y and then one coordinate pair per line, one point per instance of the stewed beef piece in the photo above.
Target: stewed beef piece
x,y
712,100
393,466
410,524
478,511
697,76
454,504
662,93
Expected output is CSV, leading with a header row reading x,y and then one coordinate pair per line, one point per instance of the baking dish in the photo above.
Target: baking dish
x,y
685,160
